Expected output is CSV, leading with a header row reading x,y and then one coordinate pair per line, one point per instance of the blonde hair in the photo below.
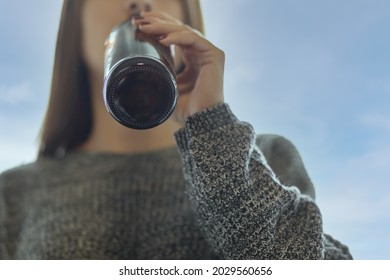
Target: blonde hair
x,y
68,119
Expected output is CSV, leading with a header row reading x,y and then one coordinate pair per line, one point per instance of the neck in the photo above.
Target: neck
x,y
108,135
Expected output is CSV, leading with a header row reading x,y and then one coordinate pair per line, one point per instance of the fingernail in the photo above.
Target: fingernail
x,y
142,24
138,17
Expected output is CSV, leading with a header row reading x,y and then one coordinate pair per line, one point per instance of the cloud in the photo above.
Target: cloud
x,y
16,93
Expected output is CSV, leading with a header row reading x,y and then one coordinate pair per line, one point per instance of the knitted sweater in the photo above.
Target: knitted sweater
x,y
215,197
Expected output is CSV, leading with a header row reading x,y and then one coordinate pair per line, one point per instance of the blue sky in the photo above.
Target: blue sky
x,y
316,72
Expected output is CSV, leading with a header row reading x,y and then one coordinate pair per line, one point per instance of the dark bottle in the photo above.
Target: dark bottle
x,y
140,89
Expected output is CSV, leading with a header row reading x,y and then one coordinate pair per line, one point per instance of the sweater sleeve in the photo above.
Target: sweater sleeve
x,y
245,212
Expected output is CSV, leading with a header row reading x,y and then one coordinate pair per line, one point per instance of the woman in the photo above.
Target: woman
x,y
102,191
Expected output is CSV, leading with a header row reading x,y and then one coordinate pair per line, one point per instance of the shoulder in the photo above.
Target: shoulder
x,y
16,175
26,175
286,162
273,141
277,147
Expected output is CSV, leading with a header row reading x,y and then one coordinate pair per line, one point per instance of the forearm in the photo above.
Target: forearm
x,y
246,213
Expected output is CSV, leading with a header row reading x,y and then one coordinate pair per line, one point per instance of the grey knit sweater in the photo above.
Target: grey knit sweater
x,y
215,197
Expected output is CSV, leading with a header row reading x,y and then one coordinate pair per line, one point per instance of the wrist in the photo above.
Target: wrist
x,y
209,119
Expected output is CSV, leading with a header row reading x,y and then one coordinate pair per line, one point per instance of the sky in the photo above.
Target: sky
x,y
316,72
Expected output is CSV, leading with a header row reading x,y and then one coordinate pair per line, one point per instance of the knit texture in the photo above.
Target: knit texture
x,y
213,197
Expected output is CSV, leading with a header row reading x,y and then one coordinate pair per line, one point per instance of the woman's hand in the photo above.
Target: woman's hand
x,y
201,83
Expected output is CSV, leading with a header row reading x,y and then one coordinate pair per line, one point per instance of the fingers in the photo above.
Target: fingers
x,y
187,38
162,15
159,23
174,34
157,27
171,30
156,17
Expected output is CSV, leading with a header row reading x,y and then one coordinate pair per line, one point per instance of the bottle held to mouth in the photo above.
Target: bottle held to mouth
x,y
140,89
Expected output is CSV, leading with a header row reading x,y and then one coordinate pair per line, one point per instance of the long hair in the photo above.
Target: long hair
x,y
68,120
